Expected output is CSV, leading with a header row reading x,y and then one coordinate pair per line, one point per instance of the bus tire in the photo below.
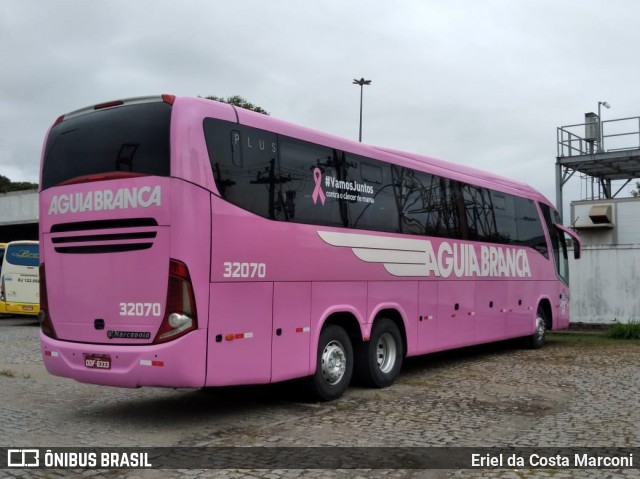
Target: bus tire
x,y
334,366
537,339
378,361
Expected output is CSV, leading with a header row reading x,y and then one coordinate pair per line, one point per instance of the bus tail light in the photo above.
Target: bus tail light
x,y
43,316
109,104
59,120
180,313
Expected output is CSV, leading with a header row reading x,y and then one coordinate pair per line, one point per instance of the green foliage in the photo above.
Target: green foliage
x,y
630,330
577,339
636,193
237,100
6,185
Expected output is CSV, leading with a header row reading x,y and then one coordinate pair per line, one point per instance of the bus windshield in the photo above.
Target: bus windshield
x,y
132,139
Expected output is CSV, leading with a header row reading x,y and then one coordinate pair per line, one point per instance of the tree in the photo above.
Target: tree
x,y
237,100
6,185
636,193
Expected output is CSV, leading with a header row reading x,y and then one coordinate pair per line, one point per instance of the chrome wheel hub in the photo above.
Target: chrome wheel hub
x,y
334,362
386,351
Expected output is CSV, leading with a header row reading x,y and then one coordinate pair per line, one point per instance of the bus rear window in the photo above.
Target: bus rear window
x,y
23,255
129,139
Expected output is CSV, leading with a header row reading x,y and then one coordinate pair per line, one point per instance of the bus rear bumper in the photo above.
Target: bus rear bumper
x,y
27,309
179,363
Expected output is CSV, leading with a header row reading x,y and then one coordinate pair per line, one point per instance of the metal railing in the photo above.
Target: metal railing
x,y
616,135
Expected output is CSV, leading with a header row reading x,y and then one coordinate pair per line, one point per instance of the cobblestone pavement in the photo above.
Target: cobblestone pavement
x,y
559,396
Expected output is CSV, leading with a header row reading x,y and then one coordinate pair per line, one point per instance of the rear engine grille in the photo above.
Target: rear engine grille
x,y
105,236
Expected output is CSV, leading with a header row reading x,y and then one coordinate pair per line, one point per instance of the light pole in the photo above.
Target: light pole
x,y
362,82
606,105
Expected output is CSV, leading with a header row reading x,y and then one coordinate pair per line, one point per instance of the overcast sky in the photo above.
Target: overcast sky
x,y
479,82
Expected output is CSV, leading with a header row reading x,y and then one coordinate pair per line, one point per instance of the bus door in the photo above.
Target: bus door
x,y
561,238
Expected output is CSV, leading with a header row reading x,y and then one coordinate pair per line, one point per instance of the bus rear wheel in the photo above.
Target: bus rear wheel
x,y
378,361
334,367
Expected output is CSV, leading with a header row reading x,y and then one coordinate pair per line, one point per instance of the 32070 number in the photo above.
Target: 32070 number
x,y
140,309
244,270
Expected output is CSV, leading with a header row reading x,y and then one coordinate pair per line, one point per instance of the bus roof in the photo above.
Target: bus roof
x,y
202,107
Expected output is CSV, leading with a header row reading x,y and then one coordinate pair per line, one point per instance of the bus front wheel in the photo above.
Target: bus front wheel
x,y
334,366
537,339
378,361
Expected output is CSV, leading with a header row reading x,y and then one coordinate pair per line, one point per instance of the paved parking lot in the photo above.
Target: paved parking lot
x,y
558,396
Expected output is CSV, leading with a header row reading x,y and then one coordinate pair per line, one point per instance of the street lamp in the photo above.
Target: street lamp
x,y
362,82
606,105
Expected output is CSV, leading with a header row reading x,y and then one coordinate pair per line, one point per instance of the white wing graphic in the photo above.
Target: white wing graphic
x,y
399,256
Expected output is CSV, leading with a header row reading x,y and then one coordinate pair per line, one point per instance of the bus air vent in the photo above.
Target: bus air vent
x,y
104,236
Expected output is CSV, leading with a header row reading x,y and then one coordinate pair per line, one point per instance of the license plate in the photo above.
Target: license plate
x,y
95,361
27,308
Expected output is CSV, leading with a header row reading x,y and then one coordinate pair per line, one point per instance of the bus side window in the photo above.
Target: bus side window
x,y
307,173
481,222
528,226
371,202
244,165
503,208
426,204
219,136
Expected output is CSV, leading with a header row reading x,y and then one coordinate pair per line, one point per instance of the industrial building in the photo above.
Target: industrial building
x,y
606,157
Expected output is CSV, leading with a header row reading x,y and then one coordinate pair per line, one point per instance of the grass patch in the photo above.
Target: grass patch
x,y
581,338
577,338
630,330
8,373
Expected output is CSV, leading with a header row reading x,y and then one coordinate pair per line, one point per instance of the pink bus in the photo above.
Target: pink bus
x,y
190,243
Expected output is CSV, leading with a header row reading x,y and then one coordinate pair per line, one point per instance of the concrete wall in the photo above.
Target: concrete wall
x,y
624,228
605,282
18,207
605,285
18,216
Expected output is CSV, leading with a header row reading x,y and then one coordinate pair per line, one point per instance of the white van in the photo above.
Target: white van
x,y
19,278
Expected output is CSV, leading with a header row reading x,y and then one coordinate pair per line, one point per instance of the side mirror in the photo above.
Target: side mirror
x,y
577,243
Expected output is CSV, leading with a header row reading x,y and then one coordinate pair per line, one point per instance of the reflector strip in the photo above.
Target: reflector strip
x,y
232,336
303,330
148,362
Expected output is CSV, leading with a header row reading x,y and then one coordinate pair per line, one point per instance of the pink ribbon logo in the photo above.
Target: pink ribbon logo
x,y
317,191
